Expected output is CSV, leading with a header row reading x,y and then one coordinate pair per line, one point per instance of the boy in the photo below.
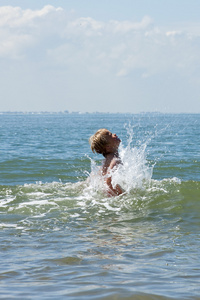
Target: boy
x,y
107,143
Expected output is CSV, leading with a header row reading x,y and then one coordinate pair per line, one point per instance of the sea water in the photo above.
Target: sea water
x,y
63,238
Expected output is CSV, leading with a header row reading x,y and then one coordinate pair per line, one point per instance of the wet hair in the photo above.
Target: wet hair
x,y
98,141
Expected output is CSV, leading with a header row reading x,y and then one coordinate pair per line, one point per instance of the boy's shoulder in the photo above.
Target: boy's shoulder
x,y
115,162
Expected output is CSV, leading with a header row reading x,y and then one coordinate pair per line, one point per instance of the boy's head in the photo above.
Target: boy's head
x,y
103,141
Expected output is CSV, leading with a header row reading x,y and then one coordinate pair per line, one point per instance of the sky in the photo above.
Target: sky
x,y
108,56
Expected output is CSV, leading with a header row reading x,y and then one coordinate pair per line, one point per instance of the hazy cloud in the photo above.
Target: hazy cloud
x,y
41,43
118,47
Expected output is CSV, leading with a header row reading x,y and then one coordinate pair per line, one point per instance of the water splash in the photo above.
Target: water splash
x,y
134,172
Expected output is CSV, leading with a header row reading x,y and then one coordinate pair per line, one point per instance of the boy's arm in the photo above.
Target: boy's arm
x,y
117,190
113,191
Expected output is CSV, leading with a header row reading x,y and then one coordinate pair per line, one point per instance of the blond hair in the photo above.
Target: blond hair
x,y
98,141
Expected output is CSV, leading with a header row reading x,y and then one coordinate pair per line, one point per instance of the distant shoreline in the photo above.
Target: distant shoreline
x,y
91,113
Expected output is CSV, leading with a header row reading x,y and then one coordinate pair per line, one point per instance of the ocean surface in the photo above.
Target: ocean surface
x,y
61,237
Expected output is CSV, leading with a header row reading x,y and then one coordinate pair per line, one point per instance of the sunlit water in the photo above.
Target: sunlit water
x,y
63,238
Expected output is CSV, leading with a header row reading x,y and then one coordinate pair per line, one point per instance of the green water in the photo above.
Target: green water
x,y
62,238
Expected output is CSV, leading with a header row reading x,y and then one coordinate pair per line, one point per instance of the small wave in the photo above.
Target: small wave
x,y
52,205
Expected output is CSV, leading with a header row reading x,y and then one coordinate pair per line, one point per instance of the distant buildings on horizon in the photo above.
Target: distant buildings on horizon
x,y
72,112
83,113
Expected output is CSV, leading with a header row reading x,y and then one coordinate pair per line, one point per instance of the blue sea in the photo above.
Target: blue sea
x,y
61,237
